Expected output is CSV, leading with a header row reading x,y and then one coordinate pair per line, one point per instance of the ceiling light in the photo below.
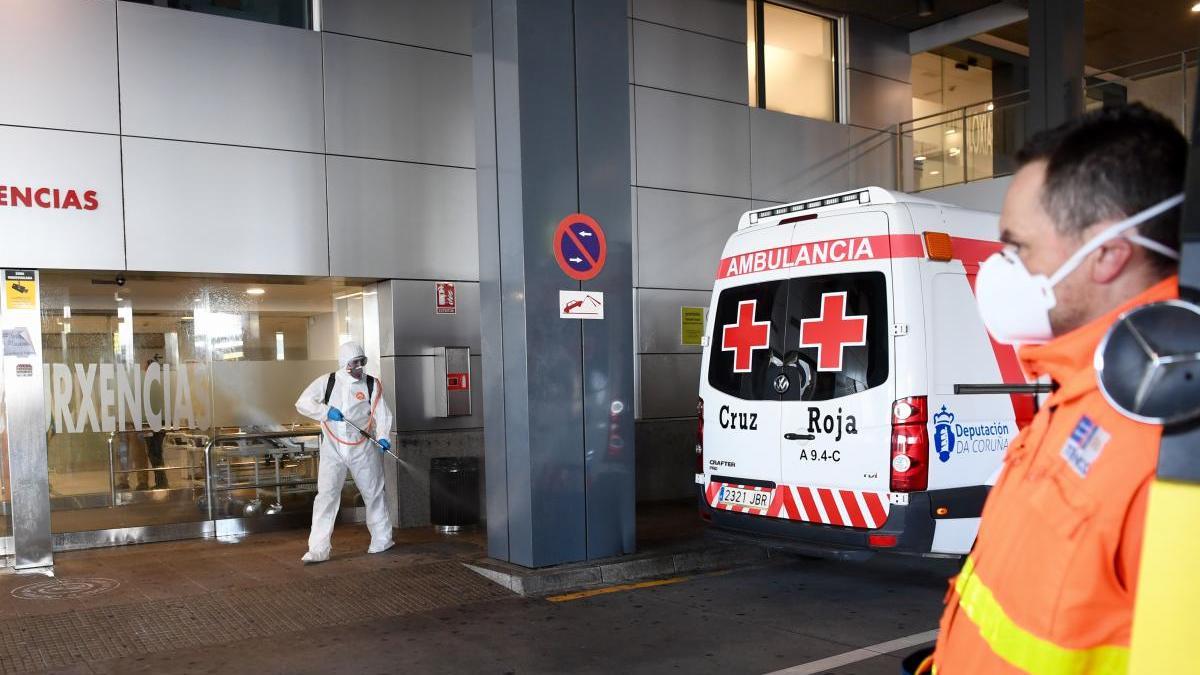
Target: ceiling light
x,y
1196,8
255,291
992,106
919,158
934,173
953,152
951,131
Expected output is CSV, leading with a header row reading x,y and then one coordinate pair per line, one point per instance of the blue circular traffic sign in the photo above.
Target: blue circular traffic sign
x,y
580,247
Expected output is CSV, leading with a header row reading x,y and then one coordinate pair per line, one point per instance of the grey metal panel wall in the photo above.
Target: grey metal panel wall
x,y
796,157
419,330
62,238
445,24
872,158
390,101
678,60
601,85
681,236
659,319
194,207
690,143
399,220
878,102
58,64
669,385
408,383
879,49
722,18
191,76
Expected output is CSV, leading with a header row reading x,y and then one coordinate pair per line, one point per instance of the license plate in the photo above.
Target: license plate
x,y
752,499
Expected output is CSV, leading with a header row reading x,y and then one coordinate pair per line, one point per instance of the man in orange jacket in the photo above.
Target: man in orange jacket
x,y
1091,227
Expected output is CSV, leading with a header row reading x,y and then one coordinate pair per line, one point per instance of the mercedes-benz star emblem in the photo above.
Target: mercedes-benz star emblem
x,y
782,383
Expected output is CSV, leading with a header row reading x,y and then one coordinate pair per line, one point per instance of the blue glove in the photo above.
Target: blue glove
x,y
335,415
384,445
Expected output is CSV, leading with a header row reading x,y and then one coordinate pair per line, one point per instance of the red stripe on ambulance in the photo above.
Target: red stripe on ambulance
x,y
849,249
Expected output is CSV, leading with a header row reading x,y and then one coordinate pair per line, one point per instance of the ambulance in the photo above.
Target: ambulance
x,y
850,397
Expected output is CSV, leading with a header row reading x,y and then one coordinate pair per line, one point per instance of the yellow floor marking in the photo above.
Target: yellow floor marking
x,y
567,597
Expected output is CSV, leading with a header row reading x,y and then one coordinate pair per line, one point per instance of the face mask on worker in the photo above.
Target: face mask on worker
x,y
355,367
1016,305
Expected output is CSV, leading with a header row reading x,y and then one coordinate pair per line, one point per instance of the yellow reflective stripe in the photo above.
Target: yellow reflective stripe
x,y
1023,649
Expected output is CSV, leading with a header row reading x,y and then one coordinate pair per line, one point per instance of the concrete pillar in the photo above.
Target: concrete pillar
x,y
1055,62
552,139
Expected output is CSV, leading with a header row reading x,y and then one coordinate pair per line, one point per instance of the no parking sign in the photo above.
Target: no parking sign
x,y
580,247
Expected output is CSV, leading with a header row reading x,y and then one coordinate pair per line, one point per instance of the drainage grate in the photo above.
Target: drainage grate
x,y
64,589
97,634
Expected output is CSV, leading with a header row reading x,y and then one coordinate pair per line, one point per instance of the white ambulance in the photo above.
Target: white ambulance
x,y
850,396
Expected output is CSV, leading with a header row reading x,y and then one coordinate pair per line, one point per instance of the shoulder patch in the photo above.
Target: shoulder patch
x,y
1084,445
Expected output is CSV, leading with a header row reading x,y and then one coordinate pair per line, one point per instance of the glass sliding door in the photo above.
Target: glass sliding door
x,y
142,377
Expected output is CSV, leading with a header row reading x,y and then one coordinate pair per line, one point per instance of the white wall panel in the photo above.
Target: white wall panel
x,y
61,238
389,101
659,325
681,236
419,329
797,157
192,76
690,63
444,24
984,195
669,385
398,220
693,144
878,102
722,18
58,64
193,207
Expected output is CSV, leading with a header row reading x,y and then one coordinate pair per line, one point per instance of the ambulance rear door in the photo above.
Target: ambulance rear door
x,y
741,363
840,364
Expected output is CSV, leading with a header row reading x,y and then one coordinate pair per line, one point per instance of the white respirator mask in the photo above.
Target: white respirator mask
x,y
1016,305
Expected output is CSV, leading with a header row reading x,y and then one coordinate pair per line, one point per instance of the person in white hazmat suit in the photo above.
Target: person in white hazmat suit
x,y
348,394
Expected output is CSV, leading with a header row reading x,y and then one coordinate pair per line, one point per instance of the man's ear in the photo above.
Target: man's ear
x,y
1113,258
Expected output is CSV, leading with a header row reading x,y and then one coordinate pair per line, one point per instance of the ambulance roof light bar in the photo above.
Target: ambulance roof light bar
x,y
861,196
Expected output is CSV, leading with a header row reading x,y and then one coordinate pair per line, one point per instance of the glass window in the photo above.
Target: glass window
x,y
294,13
740,360
792,60
863,366
140,377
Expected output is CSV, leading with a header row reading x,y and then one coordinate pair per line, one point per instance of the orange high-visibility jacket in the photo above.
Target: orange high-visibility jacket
x,y
1049,586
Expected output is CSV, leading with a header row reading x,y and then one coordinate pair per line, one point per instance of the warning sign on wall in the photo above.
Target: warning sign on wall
x,y
20,289
691,326
444,300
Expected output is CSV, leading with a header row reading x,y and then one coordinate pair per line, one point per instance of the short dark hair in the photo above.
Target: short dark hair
x,y
1109,164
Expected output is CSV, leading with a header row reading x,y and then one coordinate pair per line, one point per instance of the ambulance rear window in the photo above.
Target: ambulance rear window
x,y
827,334
748,327
839,324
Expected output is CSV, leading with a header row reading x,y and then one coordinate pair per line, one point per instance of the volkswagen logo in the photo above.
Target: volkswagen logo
x,y
782,383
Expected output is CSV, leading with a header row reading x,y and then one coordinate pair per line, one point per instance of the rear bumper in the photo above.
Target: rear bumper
x,y
911,524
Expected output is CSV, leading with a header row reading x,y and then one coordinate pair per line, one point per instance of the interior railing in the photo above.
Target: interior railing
x,y
978,141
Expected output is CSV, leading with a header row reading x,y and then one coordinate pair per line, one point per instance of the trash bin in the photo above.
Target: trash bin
x,y
453,493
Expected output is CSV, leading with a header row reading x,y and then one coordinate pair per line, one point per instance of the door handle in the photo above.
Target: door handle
x,y
800,437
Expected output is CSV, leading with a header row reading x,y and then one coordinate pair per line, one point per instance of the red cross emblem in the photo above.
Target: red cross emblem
x,y
745,336
833,331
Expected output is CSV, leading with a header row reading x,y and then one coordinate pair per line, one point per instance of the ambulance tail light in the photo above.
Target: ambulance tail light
x,y
700,435
910,444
